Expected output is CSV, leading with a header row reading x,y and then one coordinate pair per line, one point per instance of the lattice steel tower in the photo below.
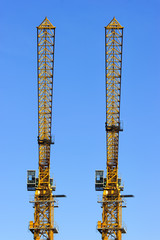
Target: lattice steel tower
x,y
43,226
112,201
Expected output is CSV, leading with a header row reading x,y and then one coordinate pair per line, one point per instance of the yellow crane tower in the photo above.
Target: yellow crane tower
x,y
43,226
112,201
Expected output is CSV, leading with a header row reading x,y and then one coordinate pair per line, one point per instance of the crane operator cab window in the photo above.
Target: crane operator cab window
x,y
99,180
31,180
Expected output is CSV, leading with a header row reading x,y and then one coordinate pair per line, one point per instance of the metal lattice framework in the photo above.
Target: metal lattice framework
x,y
45,55
43,226
111,225
114,35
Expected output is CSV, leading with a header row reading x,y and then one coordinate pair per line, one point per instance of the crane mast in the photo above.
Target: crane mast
x,y
44,202
112,202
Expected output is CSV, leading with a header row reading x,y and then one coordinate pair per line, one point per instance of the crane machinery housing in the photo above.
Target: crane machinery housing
x,y
43,226
112,200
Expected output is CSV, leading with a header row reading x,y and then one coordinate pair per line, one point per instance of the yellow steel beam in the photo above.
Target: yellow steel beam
x,y
43,225
111,225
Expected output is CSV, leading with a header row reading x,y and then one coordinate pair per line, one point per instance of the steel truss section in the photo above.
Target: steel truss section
x,y
43,225
111,225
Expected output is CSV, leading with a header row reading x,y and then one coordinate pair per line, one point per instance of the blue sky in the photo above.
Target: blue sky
x,y
79,113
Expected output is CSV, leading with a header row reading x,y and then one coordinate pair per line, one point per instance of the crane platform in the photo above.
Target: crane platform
x,y
101,228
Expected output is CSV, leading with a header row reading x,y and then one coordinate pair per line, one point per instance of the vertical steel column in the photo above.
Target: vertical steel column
x,y
111,225
43,226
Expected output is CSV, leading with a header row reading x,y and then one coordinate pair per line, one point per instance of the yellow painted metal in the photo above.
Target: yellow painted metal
x,y
111,225
43,225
